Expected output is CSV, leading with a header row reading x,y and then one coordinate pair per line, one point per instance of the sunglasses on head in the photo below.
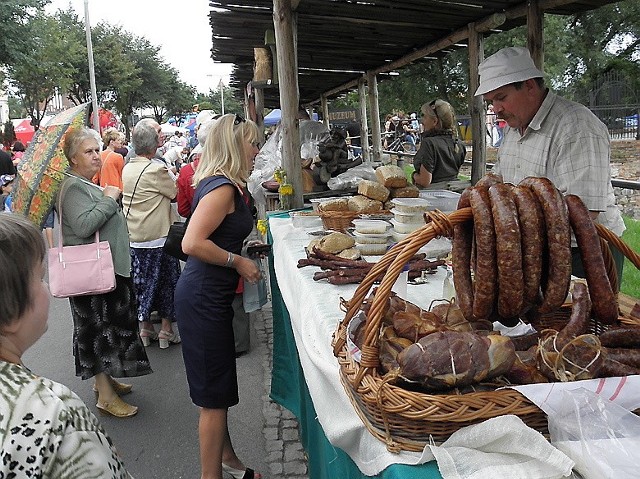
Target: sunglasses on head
x,y
238,119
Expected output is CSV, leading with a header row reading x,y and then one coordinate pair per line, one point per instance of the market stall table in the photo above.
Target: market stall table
x,y
305,376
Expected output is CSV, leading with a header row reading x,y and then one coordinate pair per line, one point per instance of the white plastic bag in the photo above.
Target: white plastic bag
x,y
255,295
352,177
601,437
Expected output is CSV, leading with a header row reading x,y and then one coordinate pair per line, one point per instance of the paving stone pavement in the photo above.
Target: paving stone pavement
x,y
286,457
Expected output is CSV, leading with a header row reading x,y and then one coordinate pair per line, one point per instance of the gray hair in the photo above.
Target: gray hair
x,y
22,250
145,138
74,138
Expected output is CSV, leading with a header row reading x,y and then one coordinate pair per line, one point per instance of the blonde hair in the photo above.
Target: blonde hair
x,y
109,135
224,150
446,116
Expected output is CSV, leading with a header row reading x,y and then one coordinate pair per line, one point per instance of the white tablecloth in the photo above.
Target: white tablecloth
x,y
314,308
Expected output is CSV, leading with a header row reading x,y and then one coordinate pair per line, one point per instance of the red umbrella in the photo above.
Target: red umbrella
x,y
24,131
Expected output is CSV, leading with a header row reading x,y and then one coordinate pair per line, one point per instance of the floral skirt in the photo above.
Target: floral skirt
x,y
155,275
105,334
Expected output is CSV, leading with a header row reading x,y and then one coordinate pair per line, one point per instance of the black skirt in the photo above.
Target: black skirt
x,y
105,334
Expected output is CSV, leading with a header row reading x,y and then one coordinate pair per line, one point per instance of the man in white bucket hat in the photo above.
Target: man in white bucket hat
x,y
547,135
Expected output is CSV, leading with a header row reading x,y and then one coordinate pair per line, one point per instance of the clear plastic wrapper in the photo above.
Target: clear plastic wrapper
x,y
352,177
602,438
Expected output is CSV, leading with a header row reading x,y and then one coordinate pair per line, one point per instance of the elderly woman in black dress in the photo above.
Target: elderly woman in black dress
x,y
220,222
105,334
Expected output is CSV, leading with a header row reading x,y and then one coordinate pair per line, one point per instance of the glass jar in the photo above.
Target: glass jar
x,y
285,194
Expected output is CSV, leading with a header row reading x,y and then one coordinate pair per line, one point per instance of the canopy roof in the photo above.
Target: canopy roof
x,y
339,40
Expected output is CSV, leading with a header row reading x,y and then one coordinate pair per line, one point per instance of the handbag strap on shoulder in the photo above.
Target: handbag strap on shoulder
x,y
136,186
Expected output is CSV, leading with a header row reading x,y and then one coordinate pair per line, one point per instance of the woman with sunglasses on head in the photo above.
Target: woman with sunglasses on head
x,y
220,222
441,153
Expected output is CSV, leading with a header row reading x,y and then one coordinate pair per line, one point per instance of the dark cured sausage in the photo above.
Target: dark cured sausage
x,y
486,272
556,221
605,305
488,180
621,338
533,234
579,320
508,251
461,260
630,357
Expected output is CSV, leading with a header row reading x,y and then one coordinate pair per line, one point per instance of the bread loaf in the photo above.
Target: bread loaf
x,y
391,176
336,242
409,191
362,204
373,190
335,204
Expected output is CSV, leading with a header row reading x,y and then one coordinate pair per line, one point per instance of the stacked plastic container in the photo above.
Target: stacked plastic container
x,y
407,216
372,236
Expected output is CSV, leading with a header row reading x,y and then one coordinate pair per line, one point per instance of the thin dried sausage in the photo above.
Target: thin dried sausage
x,y
533,235
579,320
605,305
556,221
486,271
508,251
461,260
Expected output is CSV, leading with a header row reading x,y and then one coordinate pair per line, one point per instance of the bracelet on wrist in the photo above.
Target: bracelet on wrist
x,y
230,259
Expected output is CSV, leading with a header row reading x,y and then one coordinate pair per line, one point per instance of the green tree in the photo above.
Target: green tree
x,y
15,16
46,69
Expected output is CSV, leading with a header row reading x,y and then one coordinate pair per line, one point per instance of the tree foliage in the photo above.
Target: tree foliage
x,y
15,16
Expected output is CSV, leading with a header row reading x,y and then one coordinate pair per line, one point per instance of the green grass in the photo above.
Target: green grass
x,y
630,275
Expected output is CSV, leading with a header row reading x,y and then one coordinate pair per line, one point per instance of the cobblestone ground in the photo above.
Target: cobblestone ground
x,y
285,455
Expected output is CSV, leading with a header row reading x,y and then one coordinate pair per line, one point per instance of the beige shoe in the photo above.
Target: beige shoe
x,y
120,388
165,338
117,408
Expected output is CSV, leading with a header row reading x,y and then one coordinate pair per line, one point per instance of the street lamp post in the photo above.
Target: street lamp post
x,y
221,86
92,74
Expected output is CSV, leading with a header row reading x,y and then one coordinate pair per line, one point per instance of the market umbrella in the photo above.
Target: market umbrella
x,y
24,130
44,166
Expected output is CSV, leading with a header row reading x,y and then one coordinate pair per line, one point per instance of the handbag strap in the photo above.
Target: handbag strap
x,y
59,247
136,186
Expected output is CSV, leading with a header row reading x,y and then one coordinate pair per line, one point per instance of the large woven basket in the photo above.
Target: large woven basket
x,y
408,420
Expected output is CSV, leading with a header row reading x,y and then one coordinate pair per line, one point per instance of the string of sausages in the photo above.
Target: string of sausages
x,y
519,250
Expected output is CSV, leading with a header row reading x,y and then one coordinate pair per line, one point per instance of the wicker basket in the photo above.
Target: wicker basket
x,y
338,220
408,420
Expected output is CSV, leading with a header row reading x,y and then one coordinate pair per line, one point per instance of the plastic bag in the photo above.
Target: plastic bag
x,y
601,437
351,177
255,295
268,160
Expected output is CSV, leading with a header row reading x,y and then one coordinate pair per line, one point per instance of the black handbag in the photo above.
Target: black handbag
x,y
173,244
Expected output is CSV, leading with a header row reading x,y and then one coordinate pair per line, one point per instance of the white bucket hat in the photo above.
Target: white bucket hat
x,y
509,65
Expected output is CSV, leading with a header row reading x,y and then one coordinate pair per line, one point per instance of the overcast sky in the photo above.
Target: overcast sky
x,y
181,29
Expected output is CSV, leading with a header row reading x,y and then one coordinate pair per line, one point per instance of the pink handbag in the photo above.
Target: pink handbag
x,y
80,270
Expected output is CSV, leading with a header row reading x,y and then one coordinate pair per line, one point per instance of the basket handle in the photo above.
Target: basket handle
x,y
616,241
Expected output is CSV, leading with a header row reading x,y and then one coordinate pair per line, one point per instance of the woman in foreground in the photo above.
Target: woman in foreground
x,y
220,222
45,428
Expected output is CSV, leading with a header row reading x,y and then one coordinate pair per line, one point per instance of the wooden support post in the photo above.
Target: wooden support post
x,y
374,109
325,110
259,99
285,28
476,107
364,124
535,32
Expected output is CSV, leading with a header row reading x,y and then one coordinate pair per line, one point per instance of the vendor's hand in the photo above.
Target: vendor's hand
x,y
112,192
248,269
